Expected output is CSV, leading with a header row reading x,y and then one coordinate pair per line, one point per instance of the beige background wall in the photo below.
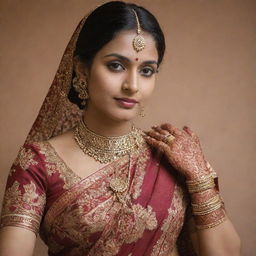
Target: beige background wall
x,y
207,81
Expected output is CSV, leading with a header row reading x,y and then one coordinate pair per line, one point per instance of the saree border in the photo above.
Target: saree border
x,y
74,191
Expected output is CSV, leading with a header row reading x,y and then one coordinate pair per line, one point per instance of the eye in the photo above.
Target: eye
x,y
115,66
148,71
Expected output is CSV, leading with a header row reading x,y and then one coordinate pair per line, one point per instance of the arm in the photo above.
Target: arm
x,y
215,234
15,241
217,241
23,204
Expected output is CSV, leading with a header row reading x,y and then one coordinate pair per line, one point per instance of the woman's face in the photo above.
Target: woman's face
x,y
119,74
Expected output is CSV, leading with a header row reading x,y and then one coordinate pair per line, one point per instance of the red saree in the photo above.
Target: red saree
x,y
76,216
80,216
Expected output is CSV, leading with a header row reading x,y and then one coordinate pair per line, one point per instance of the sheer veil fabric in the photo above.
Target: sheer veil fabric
x,y
57,113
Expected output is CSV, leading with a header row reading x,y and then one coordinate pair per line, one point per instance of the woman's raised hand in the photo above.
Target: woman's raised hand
x,y
182,149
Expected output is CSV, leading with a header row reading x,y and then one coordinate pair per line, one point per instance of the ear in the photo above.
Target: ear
x,y
80,68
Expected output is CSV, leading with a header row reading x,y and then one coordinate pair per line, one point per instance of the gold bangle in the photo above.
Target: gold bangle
x,y
200,179
201,185
207,211
208,206
210,201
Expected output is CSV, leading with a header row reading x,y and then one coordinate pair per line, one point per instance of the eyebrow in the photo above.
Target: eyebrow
x,y
128,60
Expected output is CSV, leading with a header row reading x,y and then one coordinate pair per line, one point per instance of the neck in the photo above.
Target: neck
x,y
105,126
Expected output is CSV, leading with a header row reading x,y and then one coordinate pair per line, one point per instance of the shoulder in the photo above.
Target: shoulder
x,y
63,143
29,154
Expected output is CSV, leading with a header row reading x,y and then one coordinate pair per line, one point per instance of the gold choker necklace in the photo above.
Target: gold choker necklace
x,y
106,149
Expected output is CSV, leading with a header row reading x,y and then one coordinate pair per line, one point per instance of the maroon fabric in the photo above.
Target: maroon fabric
x,y
78,216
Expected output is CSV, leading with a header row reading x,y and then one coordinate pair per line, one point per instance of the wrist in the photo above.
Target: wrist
x,y
208,208
197,174
201,197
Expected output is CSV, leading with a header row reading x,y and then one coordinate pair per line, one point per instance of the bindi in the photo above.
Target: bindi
x,y
136,59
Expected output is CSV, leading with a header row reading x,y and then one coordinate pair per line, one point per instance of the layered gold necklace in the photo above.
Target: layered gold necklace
x,y
105,149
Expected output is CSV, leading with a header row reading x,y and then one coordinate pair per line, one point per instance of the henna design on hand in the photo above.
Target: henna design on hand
x,y
184,152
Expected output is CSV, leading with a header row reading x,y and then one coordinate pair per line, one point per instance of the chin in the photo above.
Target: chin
x,y
121,116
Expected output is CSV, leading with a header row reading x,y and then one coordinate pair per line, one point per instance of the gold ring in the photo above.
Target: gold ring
x,y
169,138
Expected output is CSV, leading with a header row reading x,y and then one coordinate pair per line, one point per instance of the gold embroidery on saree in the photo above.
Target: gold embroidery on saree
x,y
25,158
12,171
89,206
57,113
136,220
23,209
126,225
91,188
54,164
172,224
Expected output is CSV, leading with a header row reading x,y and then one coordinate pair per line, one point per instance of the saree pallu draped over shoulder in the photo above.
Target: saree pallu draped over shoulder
x,y
82,216
87,219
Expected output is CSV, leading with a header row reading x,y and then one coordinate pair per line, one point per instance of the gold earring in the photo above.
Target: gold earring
x,y
142,111
81,87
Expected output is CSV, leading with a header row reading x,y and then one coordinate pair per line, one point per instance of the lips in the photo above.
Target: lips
x,y
126,102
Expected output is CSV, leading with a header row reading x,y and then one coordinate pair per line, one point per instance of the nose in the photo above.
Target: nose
x,y
131,83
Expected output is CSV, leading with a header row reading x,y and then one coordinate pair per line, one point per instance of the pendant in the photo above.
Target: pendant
x,y
118,185
138,43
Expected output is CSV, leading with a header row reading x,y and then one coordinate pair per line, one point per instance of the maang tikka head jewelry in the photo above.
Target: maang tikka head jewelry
x,y
138,41
80,86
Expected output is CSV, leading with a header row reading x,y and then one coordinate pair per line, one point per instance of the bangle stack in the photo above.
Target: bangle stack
x,y
207,205
204,183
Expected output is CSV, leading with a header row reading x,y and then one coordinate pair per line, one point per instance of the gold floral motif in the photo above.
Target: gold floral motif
x,y
54,164
12,171
80,212
23,209
91,188
126,225
172,224
25,158
136,221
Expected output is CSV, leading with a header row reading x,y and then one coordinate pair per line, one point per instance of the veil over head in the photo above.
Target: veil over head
x,y
57,113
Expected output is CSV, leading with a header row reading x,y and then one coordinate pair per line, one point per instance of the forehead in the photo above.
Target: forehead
x,y
122,44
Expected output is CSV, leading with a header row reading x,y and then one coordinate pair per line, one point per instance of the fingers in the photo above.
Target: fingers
x,y
160,130
168,128
160,145
189,131
171,129
155,135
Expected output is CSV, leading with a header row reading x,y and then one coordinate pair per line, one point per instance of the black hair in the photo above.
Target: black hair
x,y
105,22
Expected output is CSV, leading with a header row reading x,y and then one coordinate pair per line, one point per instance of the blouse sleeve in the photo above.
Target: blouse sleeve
x,y
25,194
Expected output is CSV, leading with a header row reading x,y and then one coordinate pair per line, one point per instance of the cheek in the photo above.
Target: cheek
x,y
100,82
148,87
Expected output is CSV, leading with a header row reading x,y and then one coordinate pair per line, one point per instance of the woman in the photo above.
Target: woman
x,y
90,182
